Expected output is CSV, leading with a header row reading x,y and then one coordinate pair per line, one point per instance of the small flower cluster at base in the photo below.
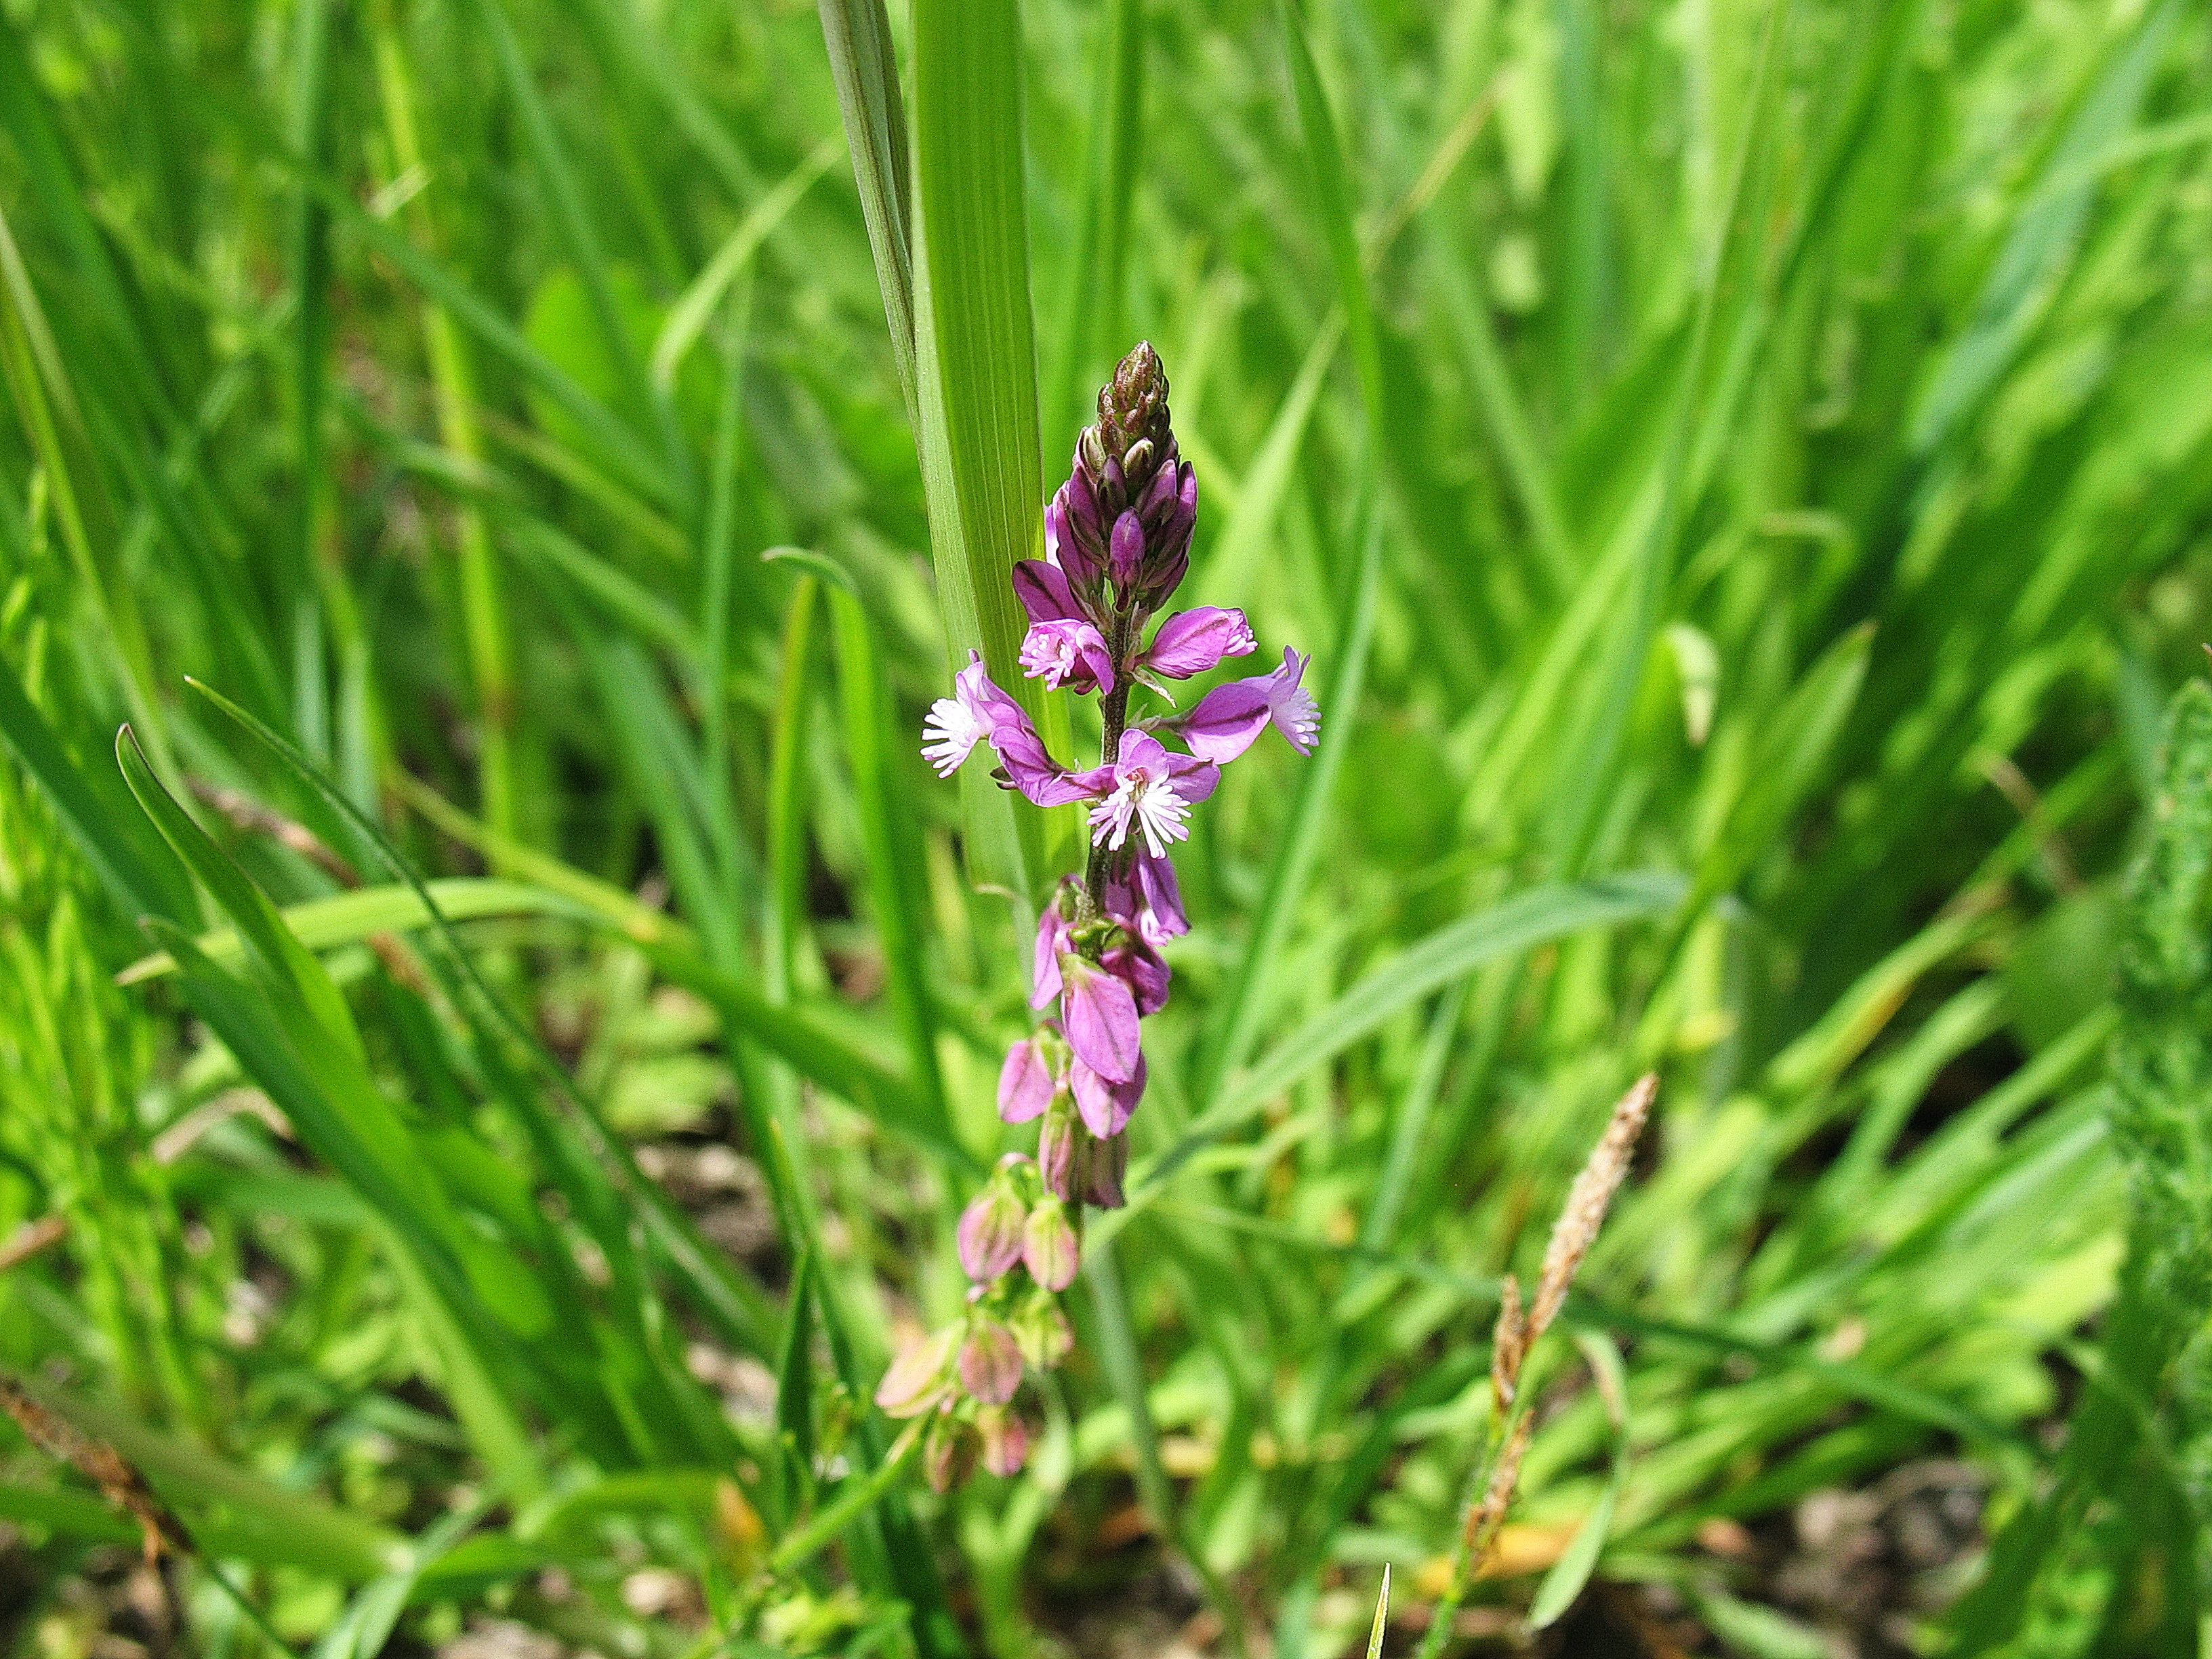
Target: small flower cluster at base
x,y
1117,544
1018,1243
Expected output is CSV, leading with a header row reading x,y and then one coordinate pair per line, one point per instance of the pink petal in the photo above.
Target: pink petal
x,y
1195,780
1154,879
1191,641
1025,1084
1043,591
1226,719
1105,1105
1100,1016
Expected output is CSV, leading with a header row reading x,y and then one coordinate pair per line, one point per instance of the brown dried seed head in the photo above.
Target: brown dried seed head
x,y
1509,1345
1484,1519
1587,1200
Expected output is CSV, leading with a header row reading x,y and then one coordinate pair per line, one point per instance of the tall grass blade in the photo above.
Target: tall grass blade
x,y
976,376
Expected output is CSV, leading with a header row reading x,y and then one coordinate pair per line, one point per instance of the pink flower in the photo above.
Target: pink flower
x,y
1191,641
1145,897
957,723
1050,1249
1148,787
918,1378
1068,654
1054,935
980,712
1154,879
1109,1162
1132,959
1228,718
1125,550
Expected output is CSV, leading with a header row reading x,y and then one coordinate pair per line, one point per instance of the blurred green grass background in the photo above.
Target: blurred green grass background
x,y
1743,468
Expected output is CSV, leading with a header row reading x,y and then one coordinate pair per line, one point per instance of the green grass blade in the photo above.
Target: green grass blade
x,y
786,795
243,1514
872,739
1564,1582
975,352
98,815
564,197
1098,271
1506,929
2043,236
348,918
794,1390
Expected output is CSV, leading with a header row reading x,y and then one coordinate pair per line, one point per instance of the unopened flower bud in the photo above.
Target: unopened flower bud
x,y
1125,552
949,1448
990,1235
1049,1248
1041,1331
1005,1441
1109,1162
990,1362
1134,425
1056,1147
921,1377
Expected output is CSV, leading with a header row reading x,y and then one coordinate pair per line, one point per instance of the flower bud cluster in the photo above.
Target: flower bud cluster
x,y
1118,546
1018,1243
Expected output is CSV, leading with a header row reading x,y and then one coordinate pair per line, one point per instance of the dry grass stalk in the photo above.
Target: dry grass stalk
x,y
1480,1529
248,814
1508,1346
32,1237
1492,1483
120,1483
1588,1199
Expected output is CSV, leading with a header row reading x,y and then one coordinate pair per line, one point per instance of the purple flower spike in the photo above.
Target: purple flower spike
x,y
1228,718
1071,655
1100,1016
1191,641
1148,788
990,1363
1025,1084
1105,1106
